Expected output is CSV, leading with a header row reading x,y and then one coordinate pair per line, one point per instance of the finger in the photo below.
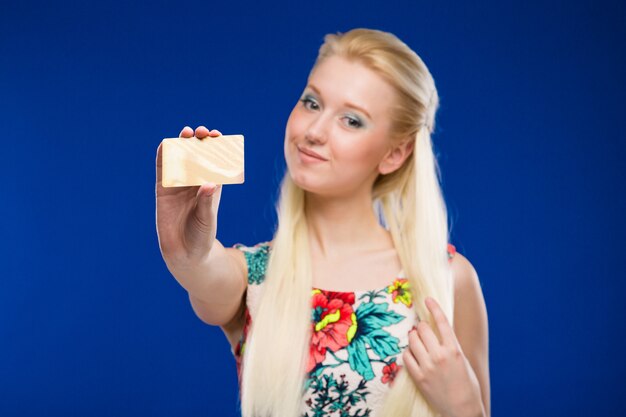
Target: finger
x,y
202,132
418,349
215,132
207,190
428,337
187,132
412,367
205,207
448,337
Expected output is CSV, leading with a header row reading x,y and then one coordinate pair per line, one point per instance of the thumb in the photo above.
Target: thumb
x,y
205,202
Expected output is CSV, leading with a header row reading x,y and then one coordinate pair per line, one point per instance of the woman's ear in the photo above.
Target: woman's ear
x,y
396,156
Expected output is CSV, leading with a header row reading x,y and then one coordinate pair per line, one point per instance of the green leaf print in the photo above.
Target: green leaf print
x,y
372,295
382,343
358,359
333,397
371,316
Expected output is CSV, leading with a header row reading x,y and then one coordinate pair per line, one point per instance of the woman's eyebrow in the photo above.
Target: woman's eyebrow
x,y
347,104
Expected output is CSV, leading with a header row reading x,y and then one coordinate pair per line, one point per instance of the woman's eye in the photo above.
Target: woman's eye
x,y
353,122
308,100
309,103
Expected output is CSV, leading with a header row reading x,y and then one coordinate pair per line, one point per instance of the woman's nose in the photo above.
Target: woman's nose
x,y
317,130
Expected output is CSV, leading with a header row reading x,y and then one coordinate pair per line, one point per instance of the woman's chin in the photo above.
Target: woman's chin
x,y
304,182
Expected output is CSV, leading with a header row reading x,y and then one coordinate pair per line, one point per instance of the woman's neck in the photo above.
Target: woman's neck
x,y
343,226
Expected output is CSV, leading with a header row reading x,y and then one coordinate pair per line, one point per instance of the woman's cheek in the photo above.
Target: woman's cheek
x,y
352,155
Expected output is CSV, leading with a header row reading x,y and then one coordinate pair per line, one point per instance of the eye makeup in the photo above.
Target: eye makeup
x,y
354,121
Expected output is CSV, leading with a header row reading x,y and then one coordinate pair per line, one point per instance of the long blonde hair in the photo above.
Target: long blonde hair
x,y
409,203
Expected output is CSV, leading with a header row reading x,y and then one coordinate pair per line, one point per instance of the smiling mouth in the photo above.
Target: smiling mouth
x,y
310,154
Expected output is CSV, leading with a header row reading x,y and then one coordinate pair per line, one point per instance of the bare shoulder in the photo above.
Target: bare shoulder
x,y
465,276
471,323
469,301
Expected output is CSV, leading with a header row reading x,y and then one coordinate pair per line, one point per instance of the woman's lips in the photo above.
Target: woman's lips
x,y
309,156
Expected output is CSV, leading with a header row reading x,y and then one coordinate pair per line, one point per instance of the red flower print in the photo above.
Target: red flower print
x,y
333,324
241,345
389,372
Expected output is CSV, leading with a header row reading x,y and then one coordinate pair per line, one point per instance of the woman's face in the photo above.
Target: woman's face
x,y
342,116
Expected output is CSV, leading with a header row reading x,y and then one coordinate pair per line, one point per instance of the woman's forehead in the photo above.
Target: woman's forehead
x,y
340,81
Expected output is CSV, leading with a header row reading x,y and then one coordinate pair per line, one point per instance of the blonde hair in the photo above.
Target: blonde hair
x,y
409,203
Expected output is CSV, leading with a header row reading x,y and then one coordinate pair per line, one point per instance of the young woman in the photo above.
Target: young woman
x,y
359,306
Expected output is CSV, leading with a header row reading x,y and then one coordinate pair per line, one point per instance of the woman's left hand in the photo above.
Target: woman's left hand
x,y
440,370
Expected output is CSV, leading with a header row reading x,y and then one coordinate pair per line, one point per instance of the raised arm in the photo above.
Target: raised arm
x,y
186,219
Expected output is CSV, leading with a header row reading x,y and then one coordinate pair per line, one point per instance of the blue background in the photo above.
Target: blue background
x,y
530,139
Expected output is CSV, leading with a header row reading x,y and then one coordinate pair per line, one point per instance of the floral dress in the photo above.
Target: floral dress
x,y
356,340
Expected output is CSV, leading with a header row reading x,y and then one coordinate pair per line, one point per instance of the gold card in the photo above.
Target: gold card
x,y
193,161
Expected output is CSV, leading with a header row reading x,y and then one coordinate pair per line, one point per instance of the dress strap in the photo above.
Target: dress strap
x,y
451,251
256,258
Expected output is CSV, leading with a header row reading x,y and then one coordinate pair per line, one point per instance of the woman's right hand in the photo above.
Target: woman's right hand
x,y
186,217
